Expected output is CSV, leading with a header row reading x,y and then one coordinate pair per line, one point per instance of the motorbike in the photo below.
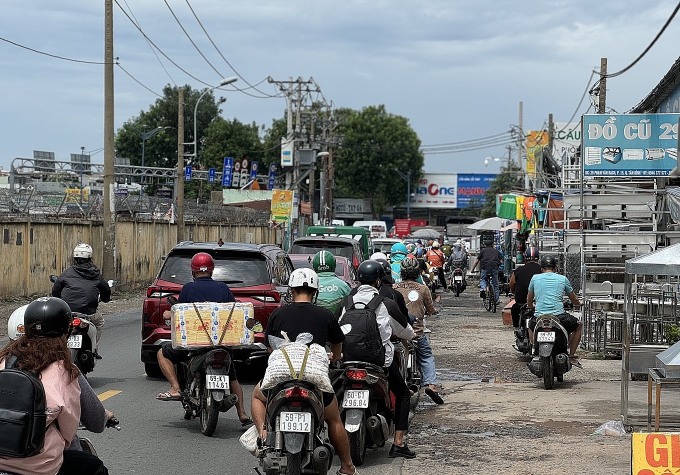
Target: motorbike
x,y
457,281
522,343
296,441
552,341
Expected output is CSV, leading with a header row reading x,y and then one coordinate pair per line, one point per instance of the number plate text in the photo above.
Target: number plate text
x,y
295,422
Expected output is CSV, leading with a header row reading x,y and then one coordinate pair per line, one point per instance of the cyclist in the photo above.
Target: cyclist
x,y
519,283
332,289
489,260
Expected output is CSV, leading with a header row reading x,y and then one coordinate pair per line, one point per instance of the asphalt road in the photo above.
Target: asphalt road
x,y
155,439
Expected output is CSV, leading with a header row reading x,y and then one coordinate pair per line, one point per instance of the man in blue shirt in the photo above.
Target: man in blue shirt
x,y
547,290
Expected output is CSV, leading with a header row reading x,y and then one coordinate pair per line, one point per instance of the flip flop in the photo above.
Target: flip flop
x,y
434,395
575,362
247,422
168,396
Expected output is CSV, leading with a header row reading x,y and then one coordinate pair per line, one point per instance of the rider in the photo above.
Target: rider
x,y
202,289
386,289
436,258
397,254
419,303
332,289
81,286
458,259
370,274
489,260
447,248
549,289
519,283
303,316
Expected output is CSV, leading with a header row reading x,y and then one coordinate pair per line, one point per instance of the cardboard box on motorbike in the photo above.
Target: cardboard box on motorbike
x,y
200,325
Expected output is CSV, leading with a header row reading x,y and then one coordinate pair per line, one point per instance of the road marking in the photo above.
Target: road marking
x,y
108,394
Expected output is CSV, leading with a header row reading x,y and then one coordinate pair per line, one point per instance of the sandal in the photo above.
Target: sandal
x,y
343,473
575,362
434,395
246,422
168,396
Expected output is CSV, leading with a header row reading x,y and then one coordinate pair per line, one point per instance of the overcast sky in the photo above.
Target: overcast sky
x,y
456,69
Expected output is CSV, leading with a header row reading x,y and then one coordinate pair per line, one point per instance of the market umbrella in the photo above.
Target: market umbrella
x,y
426,233
488,224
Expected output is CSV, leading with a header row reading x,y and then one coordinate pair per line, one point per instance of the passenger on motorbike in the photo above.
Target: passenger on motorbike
x,y
202,289
390,324
332,289
419,303
436,259
548,289
81,286
42,350
386,289
302,316
397,254
519,283
489,261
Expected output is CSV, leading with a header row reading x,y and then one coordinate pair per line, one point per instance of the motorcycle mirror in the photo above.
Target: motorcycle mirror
x,y
171,299
111,282
53,278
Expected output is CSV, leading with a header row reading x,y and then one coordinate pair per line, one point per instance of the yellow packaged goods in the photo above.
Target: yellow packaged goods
x,y
197,325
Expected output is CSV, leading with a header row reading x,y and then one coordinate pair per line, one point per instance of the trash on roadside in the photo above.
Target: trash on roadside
x,y
614,428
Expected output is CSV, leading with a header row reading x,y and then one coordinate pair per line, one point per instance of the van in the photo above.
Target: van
x,y
359,234
378,229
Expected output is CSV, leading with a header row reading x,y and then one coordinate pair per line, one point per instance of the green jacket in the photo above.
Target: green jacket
x,y
332,290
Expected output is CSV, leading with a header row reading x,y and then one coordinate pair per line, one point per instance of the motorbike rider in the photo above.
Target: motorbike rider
x,y
519,283
398,252
332,289
81,286
419,303
302,316
547,291
386,289
436,258
458,259
489,260
42,350
370,274
202,289
446,248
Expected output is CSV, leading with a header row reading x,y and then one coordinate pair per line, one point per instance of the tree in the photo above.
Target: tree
x,y
508,180
375,146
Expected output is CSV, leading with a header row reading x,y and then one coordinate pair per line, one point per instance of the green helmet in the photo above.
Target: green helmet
x,y
324,261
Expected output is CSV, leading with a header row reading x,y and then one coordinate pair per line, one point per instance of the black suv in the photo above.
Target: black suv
x,y
255,273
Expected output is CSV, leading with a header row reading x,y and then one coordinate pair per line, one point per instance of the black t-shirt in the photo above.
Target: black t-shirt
x,y
304,317
489,259
523,276
386,290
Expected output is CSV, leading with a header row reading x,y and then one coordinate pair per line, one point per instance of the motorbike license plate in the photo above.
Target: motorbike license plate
x,y
458,278
217,381
295,422
544,337
355,399
75,341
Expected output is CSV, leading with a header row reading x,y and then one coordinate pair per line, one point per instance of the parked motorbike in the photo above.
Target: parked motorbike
x,y
552,341
296,441
522,343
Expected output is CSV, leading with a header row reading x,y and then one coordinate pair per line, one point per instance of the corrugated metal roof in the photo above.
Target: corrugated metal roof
x,y
665,261
654,99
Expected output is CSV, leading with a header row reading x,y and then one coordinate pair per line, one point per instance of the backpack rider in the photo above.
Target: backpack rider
x,y
332,289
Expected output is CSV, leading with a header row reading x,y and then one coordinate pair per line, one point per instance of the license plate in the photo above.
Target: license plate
x,y
355,399
295,422
75,341
545,337
217,381
458,278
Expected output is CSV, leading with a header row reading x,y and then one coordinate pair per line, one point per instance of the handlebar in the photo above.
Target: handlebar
x,y
113,423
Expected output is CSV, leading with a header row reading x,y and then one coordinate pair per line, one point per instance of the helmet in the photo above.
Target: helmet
x,y
548,261
370,271
304,277
531,253
410,247
387,269
399,248
83,251
47,316
435,244
202,262
376,256
410,263
324,261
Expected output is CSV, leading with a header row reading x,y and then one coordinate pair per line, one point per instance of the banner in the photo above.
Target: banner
x,y
566,140
472,189
282,205
287,147
536,141
655,453
451,190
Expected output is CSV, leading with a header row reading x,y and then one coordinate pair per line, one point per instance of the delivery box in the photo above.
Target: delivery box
x,y
198,325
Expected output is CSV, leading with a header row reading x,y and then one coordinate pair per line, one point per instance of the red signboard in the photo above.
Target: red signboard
x,y
402,227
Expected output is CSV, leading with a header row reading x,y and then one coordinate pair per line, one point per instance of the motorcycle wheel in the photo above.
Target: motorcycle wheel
x,y
458,290
357,445
487,300
493,305
210,411
294,464
548,373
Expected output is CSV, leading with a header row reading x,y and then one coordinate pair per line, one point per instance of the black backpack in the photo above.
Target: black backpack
x,y
23,416
363,342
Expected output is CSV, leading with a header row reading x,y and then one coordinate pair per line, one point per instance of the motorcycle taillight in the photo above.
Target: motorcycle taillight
x,y
76,322
296,392
356,374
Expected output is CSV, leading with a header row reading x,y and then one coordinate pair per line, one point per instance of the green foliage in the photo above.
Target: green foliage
x,y
671,333
508,180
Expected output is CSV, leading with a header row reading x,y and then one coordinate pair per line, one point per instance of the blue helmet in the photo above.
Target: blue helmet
x,y
399,248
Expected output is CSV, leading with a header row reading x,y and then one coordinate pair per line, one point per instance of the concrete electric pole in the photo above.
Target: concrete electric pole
x,y
179,180
108,262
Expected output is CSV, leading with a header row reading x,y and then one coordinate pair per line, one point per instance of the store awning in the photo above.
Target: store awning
x,y
665,261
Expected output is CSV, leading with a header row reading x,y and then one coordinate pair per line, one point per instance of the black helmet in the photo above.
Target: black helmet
x,y
370,271
47,316
548,261
387,269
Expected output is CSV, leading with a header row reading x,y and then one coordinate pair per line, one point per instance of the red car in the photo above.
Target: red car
x,y
343,266
256,273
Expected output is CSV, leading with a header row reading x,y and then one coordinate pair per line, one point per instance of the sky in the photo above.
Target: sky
x,y
457,70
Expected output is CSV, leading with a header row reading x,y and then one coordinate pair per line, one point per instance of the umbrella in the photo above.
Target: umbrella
x,y
426,233
488,224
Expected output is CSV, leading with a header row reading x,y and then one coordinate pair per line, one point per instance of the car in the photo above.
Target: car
x,y
255,273
359,234
338,246
343,266
384,245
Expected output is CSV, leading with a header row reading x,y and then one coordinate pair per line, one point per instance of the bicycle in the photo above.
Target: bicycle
x,y
489,295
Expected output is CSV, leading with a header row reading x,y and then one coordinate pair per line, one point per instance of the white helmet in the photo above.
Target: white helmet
x,y
83,250
378,255
15,324
435,244
304,277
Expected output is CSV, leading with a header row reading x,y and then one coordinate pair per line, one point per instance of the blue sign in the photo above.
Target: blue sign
x,y
253,170
226,172
272,176
187,173
471,189
630,144
211,175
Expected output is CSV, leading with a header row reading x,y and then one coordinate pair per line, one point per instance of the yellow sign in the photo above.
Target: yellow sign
x,y
537,140
282,205
73,194
655,453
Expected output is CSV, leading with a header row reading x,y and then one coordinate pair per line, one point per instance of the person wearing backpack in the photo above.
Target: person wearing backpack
x,y
369,327
52,410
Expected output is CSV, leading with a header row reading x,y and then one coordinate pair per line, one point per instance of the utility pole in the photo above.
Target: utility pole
x,y
602,102
520,145
179,181
108,262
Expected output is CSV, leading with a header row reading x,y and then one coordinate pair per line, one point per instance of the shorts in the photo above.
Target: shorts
x,y
178,355
326,397
567,320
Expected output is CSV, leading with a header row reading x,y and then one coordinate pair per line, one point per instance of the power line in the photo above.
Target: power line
x,y
138,81
470,148
465,141
55,56
588,88
473,144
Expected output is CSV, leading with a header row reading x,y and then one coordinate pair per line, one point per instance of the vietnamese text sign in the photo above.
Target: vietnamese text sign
x,y
655,453
566,140
630,144
287,147
230,196
472,189
227,168
451,190
282,205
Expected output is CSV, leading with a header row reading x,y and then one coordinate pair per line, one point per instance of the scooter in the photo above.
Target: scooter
x,y
457,281
522,343
552,341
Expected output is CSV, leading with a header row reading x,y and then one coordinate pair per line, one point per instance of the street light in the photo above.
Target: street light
x,y
407,178
224,82
146,136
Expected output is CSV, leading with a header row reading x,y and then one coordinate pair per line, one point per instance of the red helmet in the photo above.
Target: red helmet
x,y
202,262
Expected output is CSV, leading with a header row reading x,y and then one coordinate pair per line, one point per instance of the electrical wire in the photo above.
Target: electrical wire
x,y
138,81
471,145
470,149
592,73
465,141
55,56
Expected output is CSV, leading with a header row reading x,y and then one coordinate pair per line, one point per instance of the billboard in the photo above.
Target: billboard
x,y
451,190
471,189
630,144
566,139
537,140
